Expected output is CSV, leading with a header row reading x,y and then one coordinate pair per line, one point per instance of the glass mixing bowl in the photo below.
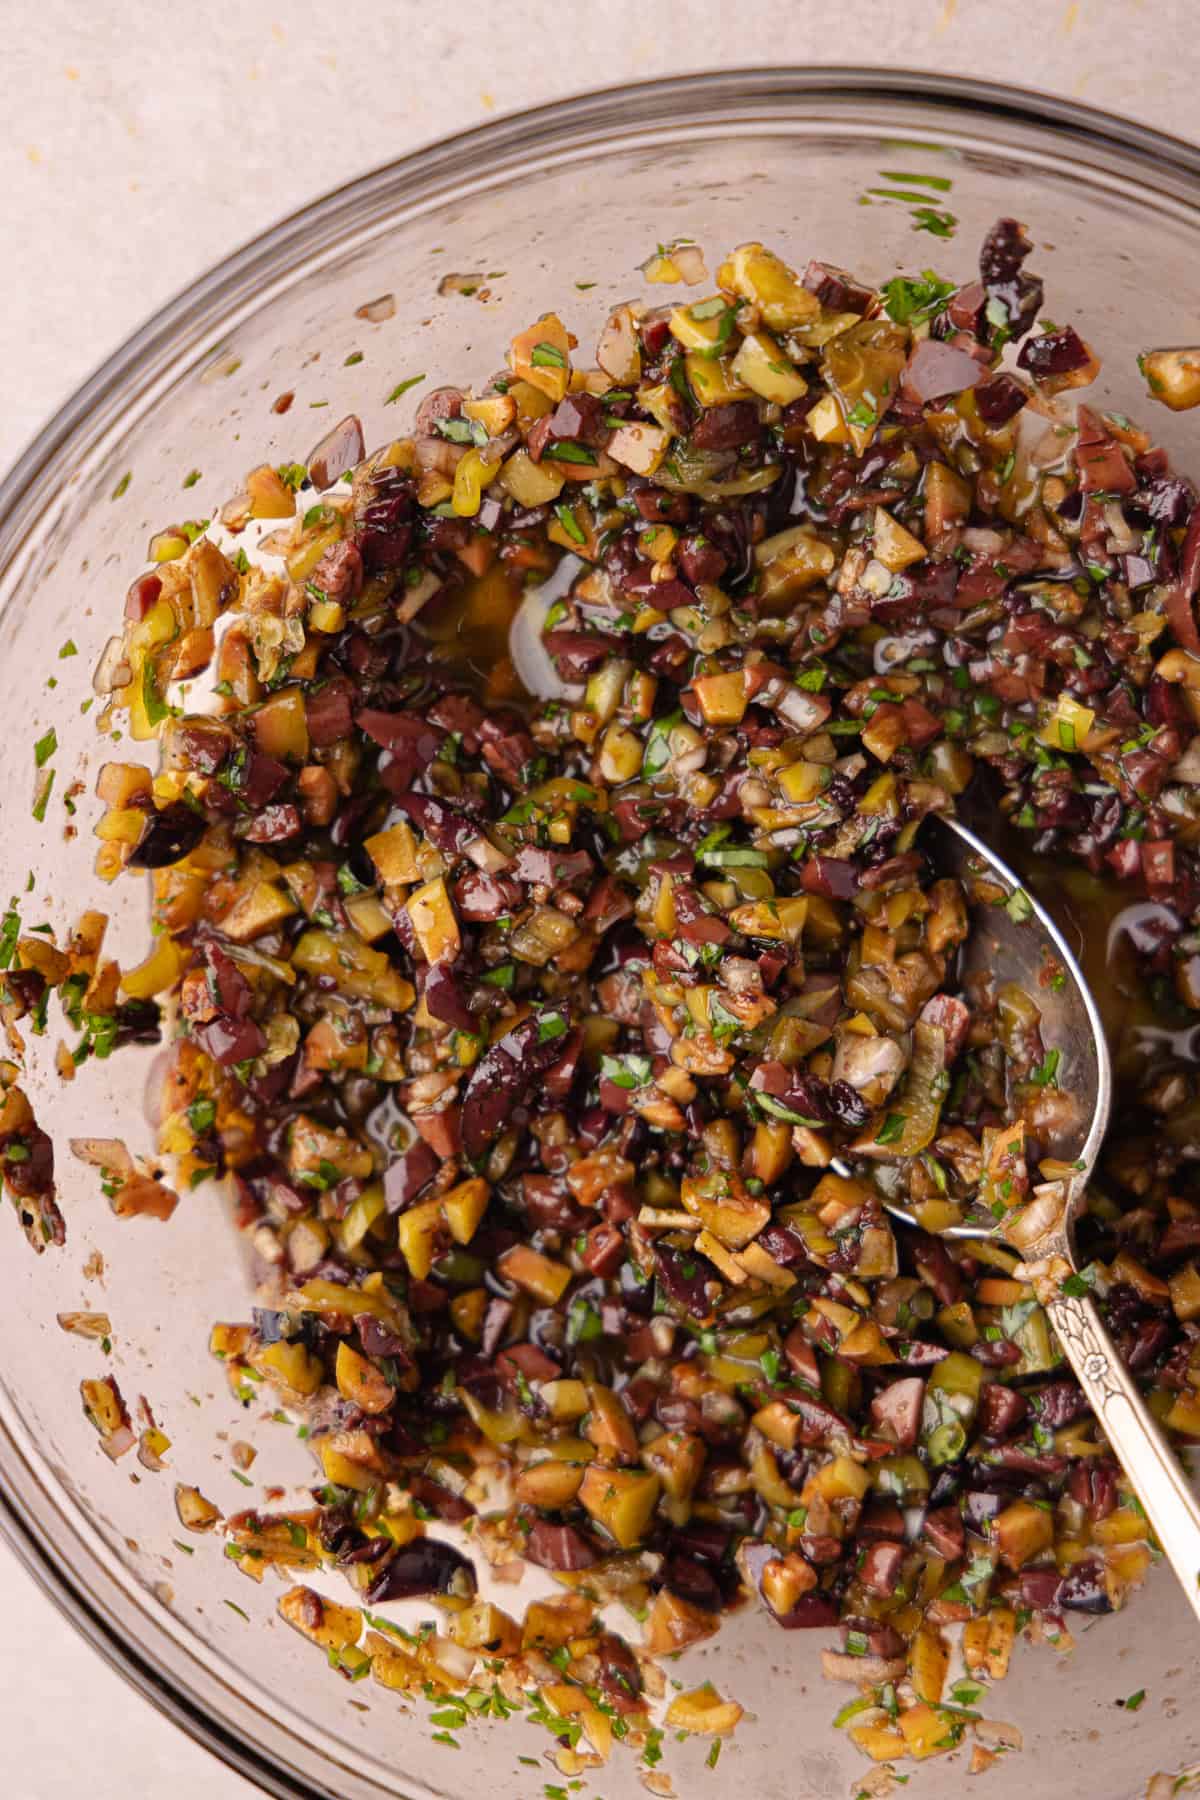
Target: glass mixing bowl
x,y
570,194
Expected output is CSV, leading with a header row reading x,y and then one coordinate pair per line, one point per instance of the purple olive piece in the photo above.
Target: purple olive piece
x,y
576,653
481,898
881,1568
230,1041
812,1612
386,521
329,711
1015,296
700,560
422,1569
687,1279
504,1076
999,398
552,868
1057,1403
274,825
167,836
407,1174
882,1639
339,573
896,1410
836,289
935,370
559,1547
728,427
449,830
943,1527
1059,352
446,998
1001,1410
620,1676
692,1581
339,451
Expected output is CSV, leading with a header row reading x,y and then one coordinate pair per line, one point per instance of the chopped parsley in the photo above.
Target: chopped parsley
x,y
402,387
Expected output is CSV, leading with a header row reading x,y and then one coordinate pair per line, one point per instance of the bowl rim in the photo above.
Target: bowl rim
x,y
1159,160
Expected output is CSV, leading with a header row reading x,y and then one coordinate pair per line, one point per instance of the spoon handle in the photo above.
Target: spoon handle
x,y
1169,1500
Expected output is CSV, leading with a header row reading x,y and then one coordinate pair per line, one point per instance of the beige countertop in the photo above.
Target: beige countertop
x,y
143,144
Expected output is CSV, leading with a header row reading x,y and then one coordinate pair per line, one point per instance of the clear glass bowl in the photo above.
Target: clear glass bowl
x,y
571,194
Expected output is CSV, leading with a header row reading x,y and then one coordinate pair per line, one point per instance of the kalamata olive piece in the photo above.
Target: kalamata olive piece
x,y
386,520
446,997
274,825
425,1567
896,1410
999,398
554,868
230,1041
576,653
935,369
1059,352
340,450
1001,1410
339,573
728,427
881,1568
882,1639
837,289
141,597
407,1174
450,830
32,1174
688,1279
503,1077
1040,1588
167,836
329,709
579,419
1057,1403
558,1547
1019,296
693,1581
1093,1483
812,1612
943,1527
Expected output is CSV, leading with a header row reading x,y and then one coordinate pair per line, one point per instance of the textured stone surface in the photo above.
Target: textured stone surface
x,y
141,144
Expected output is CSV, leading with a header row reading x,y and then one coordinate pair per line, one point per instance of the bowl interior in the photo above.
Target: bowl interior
x,y
552,212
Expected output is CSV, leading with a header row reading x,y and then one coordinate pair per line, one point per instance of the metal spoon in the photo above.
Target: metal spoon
x,y
1016,939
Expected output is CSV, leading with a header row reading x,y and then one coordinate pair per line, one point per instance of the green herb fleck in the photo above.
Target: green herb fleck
x,y
570,523
551,1025
42,798
402,387
941,183
910,300
892,1128
1019,906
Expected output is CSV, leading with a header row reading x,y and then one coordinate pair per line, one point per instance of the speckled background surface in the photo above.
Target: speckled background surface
x,y
141,143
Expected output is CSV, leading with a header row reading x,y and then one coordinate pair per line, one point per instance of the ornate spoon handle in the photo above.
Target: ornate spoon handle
x,y
1137,1442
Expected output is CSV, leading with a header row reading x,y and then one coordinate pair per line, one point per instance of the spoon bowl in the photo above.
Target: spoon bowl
x,y
1015,940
